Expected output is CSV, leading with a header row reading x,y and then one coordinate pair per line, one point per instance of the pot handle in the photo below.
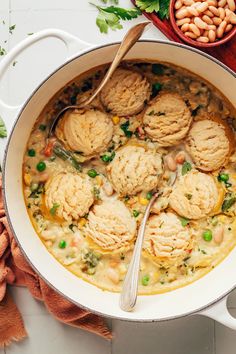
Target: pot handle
x,y
220,313
9,113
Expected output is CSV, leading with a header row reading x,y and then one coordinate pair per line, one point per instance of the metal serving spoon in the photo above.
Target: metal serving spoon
x,y
128,296
127,43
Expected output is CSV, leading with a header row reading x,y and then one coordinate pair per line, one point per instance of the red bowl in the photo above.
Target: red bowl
x,y
192,42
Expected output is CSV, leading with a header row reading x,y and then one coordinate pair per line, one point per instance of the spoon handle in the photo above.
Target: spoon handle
x,y
129,40
129,292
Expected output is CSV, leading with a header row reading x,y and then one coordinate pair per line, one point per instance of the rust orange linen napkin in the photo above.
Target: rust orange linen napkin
x,y
15,270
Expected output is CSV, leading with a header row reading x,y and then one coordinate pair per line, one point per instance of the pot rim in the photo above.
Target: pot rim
x,y
78,55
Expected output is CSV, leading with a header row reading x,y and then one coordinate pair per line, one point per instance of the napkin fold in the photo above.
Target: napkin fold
x,y
15,270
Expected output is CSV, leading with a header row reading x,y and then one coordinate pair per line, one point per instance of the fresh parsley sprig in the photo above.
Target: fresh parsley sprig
x,y
161,7
109,17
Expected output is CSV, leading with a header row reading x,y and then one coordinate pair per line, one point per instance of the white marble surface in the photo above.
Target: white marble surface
x,y
193,335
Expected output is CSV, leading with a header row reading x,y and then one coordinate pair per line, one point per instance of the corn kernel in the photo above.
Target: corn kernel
x,y
82,222
122,269
222,218
233,175
116,119
27,179
99,180
143,201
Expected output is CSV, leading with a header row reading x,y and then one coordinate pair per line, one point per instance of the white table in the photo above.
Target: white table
x,y
193,335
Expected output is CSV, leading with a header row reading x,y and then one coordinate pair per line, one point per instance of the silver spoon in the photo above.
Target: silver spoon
x,y
128,296
127,43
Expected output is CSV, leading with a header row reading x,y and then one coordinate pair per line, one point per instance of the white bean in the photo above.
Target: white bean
x,y
214,10
113,275
212,2
212,27
228,27
178,4
231,4
193,11
202,7
222,3
218,234
199,23
221,12
233,19
171,164
180,157
208,13
220,30
207,19
181,13
203,39
217,21
185,27
190,35
182,21
194,29
188,2
212,36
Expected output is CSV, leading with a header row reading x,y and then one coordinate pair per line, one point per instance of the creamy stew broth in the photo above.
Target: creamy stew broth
x,y
87,188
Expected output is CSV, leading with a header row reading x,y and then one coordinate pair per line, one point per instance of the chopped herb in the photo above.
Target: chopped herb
x,y
186,168
136,213
149,196
156,88
71,227
158,69
14,63
3,130
184,221
96,192
228,203
122,256
2,51
42,127
188,196
126,198
162,282
11,29
30,34
125,128
145,280
91,259
36,189
228,184
195,110
151,113
109,17
54,208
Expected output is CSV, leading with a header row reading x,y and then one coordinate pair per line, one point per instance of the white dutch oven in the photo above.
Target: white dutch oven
x,y
208,295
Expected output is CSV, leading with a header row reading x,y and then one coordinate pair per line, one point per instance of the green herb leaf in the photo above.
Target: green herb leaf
x,y
186,168
11,29
3,130
67,156
2,51
125,128
184,221
161,7
109,17
54,209
228,203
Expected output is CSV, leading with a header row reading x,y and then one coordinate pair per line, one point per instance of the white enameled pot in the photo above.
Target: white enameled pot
x,y
208,295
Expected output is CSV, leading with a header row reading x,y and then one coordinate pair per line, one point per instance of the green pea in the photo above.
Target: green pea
x,y
41,166
223,177
207,235
149,195
92,173
31,152
136,213
62,244
145,280
105,158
